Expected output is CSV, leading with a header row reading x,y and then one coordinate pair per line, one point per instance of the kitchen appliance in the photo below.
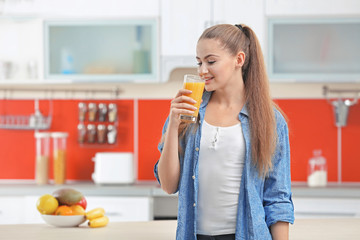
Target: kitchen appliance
x,y
113,168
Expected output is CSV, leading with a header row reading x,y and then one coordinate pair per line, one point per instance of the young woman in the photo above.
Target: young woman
x,y
231,169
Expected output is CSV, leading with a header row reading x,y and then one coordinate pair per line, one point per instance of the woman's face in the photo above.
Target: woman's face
x,y
216,65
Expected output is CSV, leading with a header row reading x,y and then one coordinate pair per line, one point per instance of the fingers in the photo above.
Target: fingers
x,y
181,96
183,92
182,104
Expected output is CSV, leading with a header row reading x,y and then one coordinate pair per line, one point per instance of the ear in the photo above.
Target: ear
x,y
240,59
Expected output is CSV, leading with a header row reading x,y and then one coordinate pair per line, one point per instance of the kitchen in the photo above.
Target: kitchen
x,y
32,84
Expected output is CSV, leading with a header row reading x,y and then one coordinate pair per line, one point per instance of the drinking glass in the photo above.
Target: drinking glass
x,y
196,85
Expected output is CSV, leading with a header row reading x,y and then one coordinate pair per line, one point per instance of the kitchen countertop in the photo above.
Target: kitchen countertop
x,y
152,189
309,229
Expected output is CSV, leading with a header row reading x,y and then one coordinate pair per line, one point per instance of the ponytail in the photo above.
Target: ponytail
x,y
259,105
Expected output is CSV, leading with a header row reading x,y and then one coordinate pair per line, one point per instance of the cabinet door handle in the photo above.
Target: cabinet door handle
x,y
207,24
114,214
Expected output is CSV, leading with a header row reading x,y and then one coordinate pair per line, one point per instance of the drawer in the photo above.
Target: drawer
x,y
326,207
120,209
11,210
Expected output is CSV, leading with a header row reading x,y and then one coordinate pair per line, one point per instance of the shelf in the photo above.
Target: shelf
x,y
21,122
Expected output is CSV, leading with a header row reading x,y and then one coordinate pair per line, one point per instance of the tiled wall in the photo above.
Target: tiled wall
x,y
311,125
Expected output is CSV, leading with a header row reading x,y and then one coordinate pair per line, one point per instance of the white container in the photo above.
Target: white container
x,y
113,168
317,170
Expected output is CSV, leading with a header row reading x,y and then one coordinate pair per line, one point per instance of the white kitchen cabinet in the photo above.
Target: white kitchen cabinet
x,y
31,215
23,40
22,210
120,209
312,7
183,21
11,209
82,8
306,207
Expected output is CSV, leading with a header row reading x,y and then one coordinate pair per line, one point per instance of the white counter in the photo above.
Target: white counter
x,y
309,229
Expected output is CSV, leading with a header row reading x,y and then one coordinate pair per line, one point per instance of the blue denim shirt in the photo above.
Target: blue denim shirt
x,y
262,202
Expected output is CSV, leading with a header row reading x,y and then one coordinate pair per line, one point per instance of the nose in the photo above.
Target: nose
x,y
202,70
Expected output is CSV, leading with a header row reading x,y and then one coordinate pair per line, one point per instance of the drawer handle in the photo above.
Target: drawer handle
x,y
113,214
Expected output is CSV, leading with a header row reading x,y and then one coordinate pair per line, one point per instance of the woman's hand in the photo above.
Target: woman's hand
x,y
181,104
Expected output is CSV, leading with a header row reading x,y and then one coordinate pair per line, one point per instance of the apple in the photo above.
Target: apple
x,y
82,203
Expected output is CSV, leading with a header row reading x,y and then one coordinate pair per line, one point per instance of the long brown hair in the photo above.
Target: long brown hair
x,y
257,92
259,104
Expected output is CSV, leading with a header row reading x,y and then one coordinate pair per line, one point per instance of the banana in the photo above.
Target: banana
x,y
95,213
98,222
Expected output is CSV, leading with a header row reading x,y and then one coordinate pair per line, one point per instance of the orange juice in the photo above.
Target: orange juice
x,y
196,85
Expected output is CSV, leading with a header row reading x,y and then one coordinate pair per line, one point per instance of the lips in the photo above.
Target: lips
x,y
207,80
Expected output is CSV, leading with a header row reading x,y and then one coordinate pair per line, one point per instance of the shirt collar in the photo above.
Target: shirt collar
x,y
206,98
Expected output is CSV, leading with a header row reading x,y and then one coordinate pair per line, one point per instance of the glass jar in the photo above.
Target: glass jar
x,y
112,112
42,142
59,156
317,170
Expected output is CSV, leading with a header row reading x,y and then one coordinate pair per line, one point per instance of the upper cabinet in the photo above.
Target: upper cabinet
x,y
65,41
312,7
81,8
313,40
101,50
314,49
183,21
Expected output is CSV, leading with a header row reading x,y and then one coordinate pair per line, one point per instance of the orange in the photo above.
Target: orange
x,y
77,210
64,211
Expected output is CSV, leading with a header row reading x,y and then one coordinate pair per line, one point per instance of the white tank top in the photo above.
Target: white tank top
x,y
221,161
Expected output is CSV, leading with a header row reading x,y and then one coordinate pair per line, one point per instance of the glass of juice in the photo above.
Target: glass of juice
x,y
196,85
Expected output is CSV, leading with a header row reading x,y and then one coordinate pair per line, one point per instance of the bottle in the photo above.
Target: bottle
x,y
92,109
111,134
59,156
317,170
81,133
112,112
42,157
67,62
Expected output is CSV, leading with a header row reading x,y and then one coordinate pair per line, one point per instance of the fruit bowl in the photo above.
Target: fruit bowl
x,y
64,221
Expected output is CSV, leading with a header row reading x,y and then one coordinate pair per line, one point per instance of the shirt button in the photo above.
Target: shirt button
x,y
197,149
194,205
193,177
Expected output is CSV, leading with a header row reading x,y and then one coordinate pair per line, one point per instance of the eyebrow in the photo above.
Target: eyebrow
x,y
207,56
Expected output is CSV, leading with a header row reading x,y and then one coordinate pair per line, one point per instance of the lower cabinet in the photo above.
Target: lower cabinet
x,y
120,209
11,210
326,207
22,209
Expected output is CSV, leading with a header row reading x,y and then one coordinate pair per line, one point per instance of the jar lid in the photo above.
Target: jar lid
x,y
59,134
42,134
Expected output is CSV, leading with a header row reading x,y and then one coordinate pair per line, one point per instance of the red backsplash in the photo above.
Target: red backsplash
x,y
17,155
311,125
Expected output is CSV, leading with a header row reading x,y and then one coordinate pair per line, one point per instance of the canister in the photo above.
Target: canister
x,y
317,170
59,156
42,144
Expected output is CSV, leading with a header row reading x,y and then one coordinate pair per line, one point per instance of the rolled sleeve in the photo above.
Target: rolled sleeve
x,y
277,200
